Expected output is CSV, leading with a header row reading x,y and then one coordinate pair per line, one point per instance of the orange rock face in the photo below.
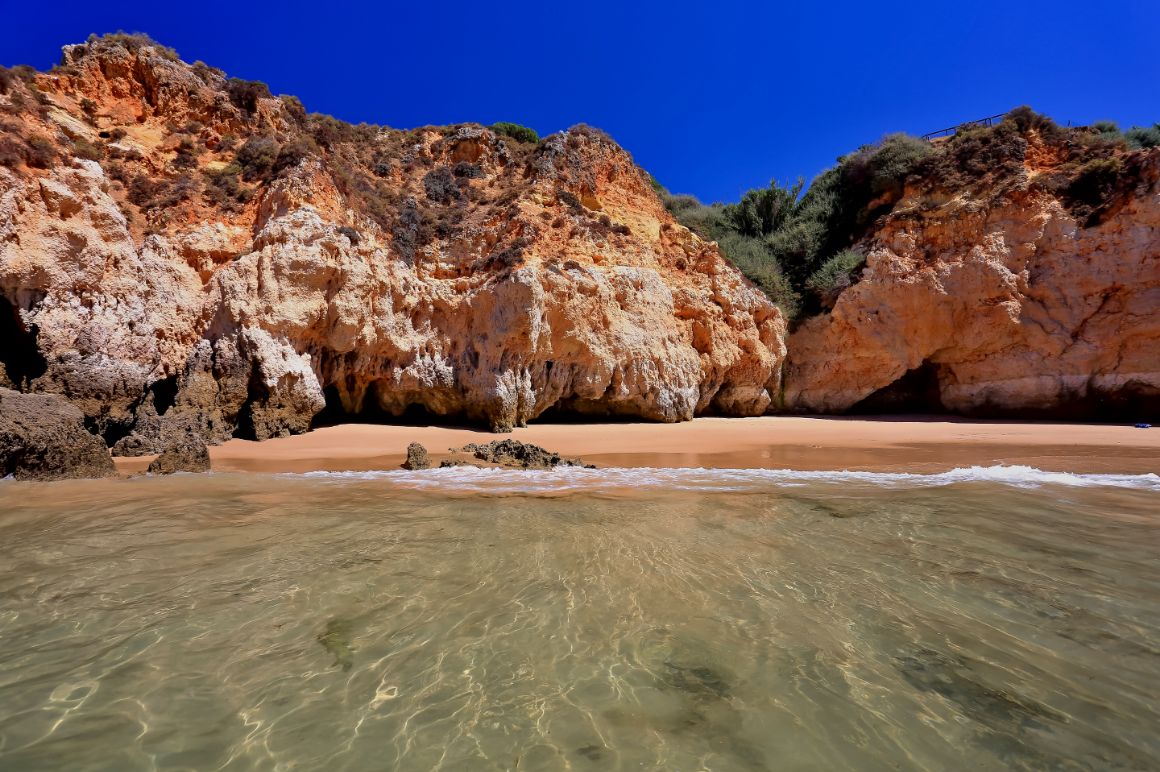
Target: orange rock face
x,y
182,252
204,258
995,303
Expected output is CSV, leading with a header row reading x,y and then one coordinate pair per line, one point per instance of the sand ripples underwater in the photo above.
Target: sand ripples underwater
x,y
626,619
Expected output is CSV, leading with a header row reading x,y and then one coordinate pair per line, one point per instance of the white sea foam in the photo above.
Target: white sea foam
x,y
563,480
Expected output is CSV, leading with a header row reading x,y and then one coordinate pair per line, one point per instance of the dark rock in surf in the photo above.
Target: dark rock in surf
x,y
42,437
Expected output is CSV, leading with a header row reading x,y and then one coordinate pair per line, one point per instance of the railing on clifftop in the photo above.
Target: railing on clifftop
x,y
989,121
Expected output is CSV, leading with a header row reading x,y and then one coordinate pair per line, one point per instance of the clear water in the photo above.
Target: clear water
x,y
656,619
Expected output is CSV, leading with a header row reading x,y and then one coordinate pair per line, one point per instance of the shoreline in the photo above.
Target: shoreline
x,y
875,444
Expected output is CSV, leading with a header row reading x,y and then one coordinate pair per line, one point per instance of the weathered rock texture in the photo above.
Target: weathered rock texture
x,y
42,437
999,298
417,457
510,454
188,454
228,263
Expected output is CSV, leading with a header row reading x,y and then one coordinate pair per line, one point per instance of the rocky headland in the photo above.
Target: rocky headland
x,y
187,258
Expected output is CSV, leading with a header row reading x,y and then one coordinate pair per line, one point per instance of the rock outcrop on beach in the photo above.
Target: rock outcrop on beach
x,y
1021,289
43,437
180,249
187,454
510,454
417,457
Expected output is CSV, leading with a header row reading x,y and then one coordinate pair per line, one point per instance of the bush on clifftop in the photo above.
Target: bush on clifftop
x,y
515,131
1140,137
245,94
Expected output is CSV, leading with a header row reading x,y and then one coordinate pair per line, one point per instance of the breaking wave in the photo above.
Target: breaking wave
x,y
569,479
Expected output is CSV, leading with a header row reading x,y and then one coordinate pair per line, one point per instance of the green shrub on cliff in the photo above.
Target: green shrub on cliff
x,y
1094,187
835,275
517,132
1107,128
256,157
762,211
1140,137
245,94
781,239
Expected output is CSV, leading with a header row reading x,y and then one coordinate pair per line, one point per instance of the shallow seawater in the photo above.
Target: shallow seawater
x,y
617,619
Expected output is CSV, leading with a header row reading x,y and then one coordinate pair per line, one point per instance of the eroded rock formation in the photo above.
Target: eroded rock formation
x,y
515,454
997,299
197,253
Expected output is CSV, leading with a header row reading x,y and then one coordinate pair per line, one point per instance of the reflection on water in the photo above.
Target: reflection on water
x,y
260,622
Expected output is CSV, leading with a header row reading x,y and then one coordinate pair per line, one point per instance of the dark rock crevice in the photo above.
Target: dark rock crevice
x,y
164,393
19,354
257,394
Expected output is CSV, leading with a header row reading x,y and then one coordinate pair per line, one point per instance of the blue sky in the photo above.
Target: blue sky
x,y
712,98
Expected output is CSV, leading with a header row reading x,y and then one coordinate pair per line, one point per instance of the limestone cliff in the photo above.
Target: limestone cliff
x,y
183,251
1030,286
186,254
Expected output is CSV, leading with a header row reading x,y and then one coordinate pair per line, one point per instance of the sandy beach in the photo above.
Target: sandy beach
x,y
909,444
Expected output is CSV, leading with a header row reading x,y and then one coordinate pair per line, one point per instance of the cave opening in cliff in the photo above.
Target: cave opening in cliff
x,y
565,412
336,413
164,394
915,392
19,352
371,412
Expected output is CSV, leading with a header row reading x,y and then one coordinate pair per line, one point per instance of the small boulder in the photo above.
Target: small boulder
x,y
188,454
43,437
417,457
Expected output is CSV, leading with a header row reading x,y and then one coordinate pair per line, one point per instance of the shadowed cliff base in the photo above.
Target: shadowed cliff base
x,y
919,392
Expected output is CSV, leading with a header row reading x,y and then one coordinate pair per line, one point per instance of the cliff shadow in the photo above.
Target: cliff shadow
x,y
917,392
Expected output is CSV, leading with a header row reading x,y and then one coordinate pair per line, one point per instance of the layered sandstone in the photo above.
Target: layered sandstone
x,y
997,299
204,257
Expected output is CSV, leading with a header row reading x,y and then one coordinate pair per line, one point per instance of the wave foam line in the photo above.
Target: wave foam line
x,y
472,479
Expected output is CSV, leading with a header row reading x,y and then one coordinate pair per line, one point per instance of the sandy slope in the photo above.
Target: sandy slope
x,y
909,444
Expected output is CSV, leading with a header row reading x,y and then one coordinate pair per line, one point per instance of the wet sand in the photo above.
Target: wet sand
x,y
905,444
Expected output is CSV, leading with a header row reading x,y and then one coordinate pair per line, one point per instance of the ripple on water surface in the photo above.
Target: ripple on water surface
x,y
628,619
